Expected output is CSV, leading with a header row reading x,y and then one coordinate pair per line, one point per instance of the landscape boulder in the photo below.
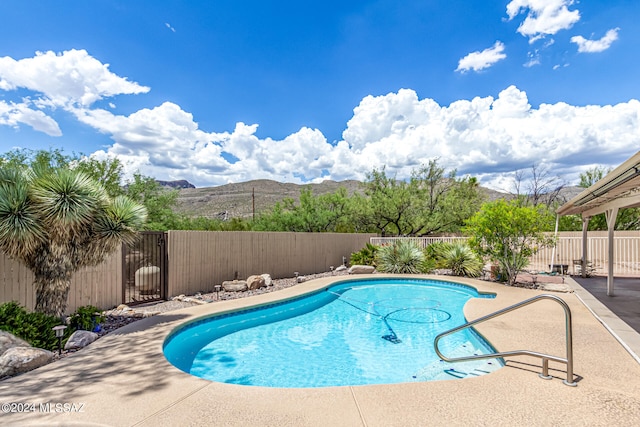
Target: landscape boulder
x,y
234,285
361,269
255,282
267,279
80,339
8,341
341,268
17,360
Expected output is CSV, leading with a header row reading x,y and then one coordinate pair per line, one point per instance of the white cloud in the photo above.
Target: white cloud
x,y
12,114
544,17
70,78
593,46
486,137
166,141
489,137
534,59
477,61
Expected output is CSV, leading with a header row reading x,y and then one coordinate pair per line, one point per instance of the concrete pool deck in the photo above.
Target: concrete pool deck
x,y
123,379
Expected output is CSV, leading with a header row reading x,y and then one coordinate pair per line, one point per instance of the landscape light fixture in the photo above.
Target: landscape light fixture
x,y
59,330
217,289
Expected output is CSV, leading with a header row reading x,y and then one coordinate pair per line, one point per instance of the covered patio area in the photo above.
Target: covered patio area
x,y
626,302
619,189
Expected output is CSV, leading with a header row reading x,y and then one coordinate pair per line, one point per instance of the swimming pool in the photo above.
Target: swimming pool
x,y
362,331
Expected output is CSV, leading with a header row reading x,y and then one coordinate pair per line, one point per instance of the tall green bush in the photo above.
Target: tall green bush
x,y
508,233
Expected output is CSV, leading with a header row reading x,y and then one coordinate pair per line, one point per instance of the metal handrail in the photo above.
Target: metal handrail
x,y
545,357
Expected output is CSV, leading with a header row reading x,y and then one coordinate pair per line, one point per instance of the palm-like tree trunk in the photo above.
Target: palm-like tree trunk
x,y
51,295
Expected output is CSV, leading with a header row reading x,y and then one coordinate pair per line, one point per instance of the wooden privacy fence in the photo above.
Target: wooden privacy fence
x,y
568,248
197,260
100,286
423,242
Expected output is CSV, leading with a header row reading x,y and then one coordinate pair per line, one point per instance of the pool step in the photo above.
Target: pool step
x,y
460,374
441,370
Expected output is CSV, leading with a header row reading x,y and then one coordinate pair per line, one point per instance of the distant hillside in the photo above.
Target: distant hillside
x,y
236,200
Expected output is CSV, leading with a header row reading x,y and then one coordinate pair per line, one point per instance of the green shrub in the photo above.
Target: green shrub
x,y
35,328
435,251
403,256
428,265
87,318
11,316
365,256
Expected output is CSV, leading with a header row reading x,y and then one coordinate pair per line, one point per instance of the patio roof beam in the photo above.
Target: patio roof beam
x,y
623,202
620,179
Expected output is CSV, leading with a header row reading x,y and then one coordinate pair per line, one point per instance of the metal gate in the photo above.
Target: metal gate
x,y
144,269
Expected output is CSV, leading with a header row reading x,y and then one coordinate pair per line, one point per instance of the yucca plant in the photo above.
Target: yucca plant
x,y
403,256
461,260
57,221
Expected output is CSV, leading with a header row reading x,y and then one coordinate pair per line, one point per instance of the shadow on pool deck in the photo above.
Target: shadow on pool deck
x,y
123,379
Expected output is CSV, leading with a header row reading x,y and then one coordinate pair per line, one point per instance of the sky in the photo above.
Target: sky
x,y
223,91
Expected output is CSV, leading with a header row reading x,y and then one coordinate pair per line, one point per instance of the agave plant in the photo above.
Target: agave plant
x,y
403,256
461,260
57,221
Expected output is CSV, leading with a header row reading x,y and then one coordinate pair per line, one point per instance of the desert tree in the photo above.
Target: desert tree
x,y
508,233
432,200
57,220
538,185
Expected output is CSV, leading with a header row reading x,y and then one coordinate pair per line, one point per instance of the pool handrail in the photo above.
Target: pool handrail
x,y
545,357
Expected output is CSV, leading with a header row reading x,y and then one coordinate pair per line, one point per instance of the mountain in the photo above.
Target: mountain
x,y
238,200
183,183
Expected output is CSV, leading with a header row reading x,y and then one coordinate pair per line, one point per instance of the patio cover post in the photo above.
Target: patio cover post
x,y
585,246
555,245
611,223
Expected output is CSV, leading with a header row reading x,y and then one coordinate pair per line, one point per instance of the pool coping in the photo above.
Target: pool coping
x,y
124,380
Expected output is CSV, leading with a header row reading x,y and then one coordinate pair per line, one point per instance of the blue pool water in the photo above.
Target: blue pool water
x,y
373,331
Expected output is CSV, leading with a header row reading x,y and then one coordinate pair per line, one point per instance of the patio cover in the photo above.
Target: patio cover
x,y
617,190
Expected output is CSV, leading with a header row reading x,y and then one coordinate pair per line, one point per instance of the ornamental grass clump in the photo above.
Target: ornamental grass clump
x,y
401,257
461,260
